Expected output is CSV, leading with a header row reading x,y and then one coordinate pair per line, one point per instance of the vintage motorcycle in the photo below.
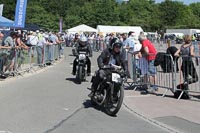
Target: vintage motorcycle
x,y
110,91
81,67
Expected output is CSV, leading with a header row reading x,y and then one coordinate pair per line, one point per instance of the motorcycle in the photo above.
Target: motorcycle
x,y
110,91
81,67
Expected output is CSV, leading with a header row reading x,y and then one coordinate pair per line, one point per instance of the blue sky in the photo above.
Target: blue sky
x,y
185,1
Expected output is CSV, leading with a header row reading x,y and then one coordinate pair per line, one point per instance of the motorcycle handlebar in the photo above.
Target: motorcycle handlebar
x,y
113,67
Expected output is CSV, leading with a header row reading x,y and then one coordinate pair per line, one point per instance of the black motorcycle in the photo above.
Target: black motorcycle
x,y
81,67
110,91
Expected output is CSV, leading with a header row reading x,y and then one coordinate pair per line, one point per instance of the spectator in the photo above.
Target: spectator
x,y
187,67
90,41
150,53
128,44
20,46
61,42
54,40
9,42
40,48
101,43
32,39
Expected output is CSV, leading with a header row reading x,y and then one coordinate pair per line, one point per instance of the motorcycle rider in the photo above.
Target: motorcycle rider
x,y
111,55
83,46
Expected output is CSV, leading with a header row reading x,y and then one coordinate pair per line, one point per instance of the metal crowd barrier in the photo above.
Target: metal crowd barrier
x,y
173,74
187,78
138,68
26,60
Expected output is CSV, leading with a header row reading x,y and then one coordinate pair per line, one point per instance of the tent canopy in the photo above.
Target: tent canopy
x,y
4,22
82,28
119,29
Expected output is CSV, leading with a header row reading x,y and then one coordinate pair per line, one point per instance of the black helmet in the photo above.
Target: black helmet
x,y
115,42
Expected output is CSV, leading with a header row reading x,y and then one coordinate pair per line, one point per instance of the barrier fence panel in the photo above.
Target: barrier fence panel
x,y
47,53
22,60
34,56
165,77
139,72
4,59
187,78
56,51
133,70
16,61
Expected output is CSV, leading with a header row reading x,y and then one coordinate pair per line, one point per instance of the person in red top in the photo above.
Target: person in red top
x,y
149,51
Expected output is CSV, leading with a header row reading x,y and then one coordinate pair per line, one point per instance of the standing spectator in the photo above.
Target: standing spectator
x,y
32,39
9,43
187,51
1,55
107,40
128,44
90,41
54,40
61,41
40,48
101,42
20,46
97,47
150,53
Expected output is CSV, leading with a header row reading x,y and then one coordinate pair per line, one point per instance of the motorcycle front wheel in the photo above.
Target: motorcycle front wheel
x,y
113,106
79,75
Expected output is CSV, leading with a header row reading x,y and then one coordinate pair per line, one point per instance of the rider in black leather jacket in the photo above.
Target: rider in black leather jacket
x,y
112,55
83,46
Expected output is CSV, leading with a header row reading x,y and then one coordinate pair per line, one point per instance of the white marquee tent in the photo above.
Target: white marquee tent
x,y
82,28
119,29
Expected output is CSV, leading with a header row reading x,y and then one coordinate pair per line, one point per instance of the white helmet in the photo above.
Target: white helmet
x,y
83,39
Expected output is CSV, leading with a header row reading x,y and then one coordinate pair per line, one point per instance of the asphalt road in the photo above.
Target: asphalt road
x,y
51,102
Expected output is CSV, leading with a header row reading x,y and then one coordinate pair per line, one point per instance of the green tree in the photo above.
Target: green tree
x,y
149,15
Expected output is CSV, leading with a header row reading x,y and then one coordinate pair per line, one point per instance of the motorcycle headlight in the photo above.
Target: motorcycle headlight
x,y
81,57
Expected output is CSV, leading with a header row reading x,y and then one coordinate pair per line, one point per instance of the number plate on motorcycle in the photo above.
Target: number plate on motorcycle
x,y
82,57
115,77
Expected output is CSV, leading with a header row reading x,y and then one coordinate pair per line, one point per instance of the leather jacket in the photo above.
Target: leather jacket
x,y
84,48
105,56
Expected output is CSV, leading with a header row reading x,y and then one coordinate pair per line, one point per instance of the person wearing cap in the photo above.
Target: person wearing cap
x,y
149,53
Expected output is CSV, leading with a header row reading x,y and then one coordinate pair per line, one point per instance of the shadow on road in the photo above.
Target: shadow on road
x,y
88,104
73,80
